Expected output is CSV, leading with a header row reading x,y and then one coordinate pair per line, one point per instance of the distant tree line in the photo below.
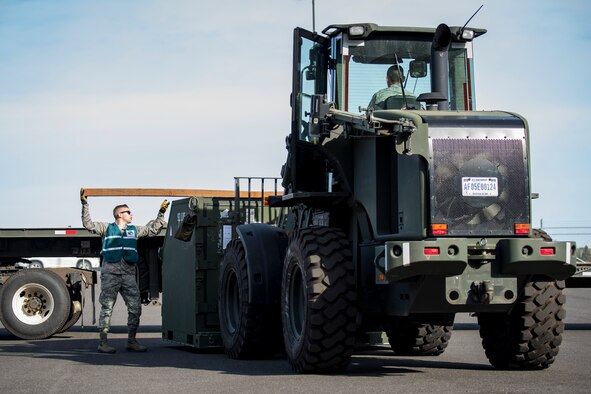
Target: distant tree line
x,y
584,253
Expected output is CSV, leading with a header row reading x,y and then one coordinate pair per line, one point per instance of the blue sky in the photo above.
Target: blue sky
x,y
189,94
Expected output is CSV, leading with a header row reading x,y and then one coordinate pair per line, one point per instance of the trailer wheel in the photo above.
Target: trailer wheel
x,y
318,306
529,337
248,331
75,311
36,264
84,264
408,338
35,304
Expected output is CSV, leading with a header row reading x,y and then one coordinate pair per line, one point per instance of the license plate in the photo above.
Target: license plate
x,y
480,187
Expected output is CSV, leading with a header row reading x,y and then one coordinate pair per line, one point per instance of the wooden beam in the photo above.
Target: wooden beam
x,y
140,192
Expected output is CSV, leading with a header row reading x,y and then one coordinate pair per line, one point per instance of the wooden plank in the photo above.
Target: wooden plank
x,y
147,192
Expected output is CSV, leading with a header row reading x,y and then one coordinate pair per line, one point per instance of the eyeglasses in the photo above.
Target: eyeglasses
x,y
122,212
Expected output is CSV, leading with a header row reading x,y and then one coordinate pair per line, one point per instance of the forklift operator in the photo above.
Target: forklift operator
x,y
394,79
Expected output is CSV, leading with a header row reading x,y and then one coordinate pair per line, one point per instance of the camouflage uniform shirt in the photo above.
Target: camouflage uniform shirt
x,y
381,95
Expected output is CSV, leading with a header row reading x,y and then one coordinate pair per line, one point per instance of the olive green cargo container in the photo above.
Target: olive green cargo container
x,y
190,268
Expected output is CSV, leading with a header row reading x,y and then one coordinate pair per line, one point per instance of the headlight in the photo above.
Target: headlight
x,y
468,35
356,30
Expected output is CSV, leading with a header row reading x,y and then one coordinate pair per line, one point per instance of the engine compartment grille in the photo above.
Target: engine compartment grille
x,y
479,186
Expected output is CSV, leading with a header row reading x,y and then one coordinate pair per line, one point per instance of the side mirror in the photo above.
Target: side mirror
x,y
418,69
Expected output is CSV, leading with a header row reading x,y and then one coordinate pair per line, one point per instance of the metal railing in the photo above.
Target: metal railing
x,y
254,201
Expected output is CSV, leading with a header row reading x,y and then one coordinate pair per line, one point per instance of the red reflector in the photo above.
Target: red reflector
x,y
70,232
431,251
521,228
439,229
547,251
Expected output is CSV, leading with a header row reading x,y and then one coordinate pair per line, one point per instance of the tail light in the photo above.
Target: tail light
x,y
521,228
439,229
431,251
547,251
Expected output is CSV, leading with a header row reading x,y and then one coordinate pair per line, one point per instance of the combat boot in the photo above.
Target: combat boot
x,y
103,346
133,345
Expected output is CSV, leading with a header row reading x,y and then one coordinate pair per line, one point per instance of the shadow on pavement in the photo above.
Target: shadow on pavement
x,y
369,361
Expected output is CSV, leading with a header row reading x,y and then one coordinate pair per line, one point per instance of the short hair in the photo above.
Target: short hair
x,y
395,73
117,207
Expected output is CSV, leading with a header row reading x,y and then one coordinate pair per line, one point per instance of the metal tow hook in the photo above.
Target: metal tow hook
x,y
482,292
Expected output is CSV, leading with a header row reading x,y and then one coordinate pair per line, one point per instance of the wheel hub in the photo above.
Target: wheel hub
x,y
33,304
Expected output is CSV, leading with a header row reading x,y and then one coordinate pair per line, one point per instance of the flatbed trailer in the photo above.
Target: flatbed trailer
x,y
582,276
36,303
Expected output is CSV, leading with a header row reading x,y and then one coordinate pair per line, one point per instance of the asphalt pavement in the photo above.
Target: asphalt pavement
x,y
69,363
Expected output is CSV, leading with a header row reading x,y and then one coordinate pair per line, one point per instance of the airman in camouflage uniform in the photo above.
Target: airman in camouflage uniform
x,y
119,269
394,80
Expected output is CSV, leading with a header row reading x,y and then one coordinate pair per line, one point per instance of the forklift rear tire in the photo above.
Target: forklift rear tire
x,y
318,301
35,304
408,338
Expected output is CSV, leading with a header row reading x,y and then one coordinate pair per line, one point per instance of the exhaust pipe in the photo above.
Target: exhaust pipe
x,y
440,63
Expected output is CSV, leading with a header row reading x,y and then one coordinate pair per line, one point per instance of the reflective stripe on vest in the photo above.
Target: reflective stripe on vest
x,y
119,244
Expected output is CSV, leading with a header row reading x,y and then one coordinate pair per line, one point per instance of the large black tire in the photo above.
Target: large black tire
x,y
34,304
248,331
318,301
75,311
408,338
529,337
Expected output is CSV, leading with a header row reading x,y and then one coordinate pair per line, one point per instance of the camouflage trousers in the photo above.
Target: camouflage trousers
x,y
111,285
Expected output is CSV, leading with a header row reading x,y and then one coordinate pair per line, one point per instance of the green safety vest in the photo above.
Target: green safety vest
x,y
119,244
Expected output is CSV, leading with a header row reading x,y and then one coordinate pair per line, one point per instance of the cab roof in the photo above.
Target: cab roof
x,y
372,28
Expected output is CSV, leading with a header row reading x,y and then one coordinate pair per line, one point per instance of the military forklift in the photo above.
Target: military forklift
x,y
393,218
